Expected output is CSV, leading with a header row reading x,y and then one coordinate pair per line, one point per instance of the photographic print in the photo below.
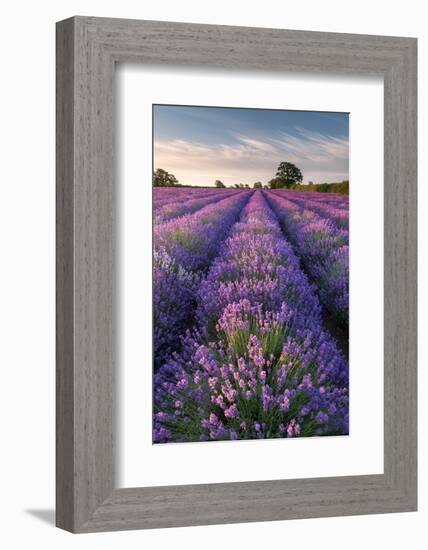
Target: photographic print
x,y
250,274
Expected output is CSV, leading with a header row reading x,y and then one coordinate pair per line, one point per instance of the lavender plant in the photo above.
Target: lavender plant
x,y
323,249
183,249
335,212
259,364
180,207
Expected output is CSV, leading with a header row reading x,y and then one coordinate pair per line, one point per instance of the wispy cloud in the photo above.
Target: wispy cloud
x,y
320,157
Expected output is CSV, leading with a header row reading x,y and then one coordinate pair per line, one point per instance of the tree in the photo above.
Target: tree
x,y
258,185
323,187
275,183
161,178
219,184
287,175
246,186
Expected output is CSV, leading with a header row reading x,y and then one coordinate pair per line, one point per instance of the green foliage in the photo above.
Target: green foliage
x,y
271,341
190,241
275,183
162,178
341,188
219,184
286,175
258,185
323,188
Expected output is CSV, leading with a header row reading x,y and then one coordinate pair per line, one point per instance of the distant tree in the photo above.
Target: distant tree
x,y
287,175
265,186
236,185
275,183
258,185
219,184
323,188
161,178
246,186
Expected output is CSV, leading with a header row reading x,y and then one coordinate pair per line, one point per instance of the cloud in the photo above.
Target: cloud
x,y
320,157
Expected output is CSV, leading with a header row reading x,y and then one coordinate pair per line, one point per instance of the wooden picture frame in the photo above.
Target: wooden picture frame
x,y
87,50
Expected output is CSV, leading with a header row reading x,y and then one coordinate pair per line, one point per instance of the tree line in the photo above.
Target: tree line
x,y
287,176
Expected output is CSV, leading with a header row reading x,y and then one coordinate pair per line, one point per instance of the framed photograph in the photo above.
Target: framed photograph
x,y
236,274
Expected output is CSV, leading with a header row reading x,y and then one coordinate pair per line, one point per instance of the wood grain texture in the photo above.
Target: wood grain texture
x,y
87,50
64,276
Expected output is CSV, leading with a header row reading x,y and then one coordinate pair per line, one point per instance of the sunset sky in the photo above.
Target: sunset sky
x,y
201,144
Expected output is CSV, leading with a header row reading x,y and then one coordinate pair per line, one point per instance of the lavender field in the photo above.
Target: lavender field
x,y
250,313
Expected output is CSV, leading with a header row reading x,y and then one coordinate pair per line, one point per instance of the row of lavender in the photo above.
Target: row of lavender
x,y
322,243
259,363
334,211
183,250
180,207
167,195
336,199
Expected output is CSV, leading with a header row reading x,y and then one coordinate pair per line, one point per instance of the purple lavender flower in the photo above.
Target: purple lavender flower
x,y
320,234
259,364
183,249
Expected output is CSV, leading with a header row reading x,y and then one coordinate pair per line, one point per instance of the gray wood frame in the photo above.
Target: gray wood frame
x,y
87,50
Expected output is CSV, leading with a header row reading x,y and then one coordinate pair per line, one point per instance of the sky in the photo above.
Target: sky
x,y
202,144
